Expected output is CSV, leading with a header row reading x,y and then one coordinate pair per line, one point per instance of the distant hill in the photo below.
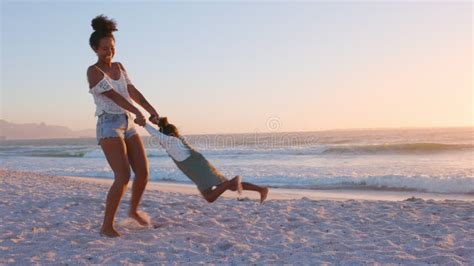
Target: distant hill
x,y
40,131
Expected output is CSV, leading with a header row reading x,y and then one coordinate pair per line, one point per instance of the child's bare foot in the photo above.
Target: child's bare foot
x,y
263,195
109,232
236,184
138,218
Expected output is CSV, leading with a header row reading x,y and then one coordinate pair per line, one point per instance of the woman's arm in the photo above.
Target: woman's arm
x,y
140,99
136,95
94,76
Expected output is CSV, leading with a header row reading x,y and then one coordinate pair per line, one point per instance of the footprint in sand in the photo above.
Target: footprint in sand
x,y
225,245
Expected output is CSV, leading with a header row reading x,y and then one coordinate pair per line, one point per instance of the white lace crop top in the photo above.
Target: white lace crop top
x,y
104,103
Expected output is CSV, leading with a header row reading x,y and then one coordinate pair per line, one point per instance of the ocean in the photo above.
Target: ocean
x,y
439,160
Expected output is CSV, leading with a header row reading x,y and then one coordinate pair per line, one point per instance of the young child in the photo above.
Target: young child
x,y
210,182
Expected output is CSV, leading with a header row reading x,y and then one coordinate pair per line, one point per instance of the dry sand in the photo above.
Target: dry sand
x,y
47,219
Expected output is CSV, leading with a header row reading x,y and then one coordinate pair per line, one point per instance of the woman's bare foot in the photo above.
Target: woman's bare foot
x,y
138,218
109,232
263,195
236,184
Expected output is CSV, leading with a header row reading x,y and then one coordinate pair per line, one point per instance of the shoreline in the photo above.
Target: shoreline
x,y
297,193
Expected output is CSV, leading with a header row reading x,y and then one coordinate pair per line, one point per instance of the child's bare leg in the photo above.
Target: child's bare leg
x,y
212,194
262,190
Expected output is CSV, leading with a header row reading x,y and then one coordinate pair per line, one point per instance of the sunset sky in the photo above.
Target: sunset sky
x,y
246,67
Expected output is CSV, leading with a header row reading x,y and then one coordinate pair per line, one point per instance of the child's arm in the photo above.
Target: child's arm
x,y
156,133
173,146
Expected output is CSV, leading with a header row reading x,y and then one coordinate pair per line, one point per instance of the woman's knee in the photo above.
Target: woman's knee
x,y
116,153
143,173
122,178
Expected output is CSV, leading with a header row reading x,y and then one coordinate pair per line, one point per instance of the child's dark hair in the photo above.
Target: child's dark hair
x,y
167,128
103,27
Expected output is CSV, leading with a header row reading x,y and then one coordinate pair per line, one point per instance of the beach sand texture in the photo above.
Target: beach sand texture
x,y
47,219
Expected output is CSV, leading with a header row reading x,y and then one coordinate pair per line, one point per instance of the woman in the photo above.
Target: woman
x,y
113,93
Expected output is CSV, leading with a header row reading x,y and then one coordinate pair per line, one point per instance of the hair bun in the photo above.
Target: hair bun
x,y
163,122
103,23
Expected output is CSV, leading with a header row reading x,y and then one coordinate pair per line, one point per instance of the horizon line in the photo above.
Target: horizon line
x,y
275,132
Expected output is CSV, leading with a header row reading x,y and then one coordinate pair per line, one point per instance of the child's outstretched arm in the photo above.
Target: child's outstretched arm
x,y
173,146
155,132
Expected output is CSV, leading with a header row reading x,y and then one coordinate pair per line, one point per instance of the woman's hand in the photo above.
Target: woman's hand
x,y
154,117
140,119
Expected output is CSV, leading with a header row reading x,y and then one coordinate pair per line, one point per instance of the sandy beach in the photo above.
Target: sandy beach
x,y
52,219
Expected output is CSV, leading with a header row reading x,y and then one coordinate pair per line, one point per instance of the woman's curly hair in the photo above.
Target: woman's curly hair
x,y
103,27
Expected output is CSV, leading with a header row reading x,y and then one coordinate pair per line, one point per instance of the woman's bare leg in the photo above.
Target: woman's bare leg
x,y
116,154
262,190
139,162
212,194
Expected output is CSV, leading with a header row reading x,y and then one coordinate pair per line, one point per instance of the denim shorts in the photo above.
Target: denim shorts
x,y
114,125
